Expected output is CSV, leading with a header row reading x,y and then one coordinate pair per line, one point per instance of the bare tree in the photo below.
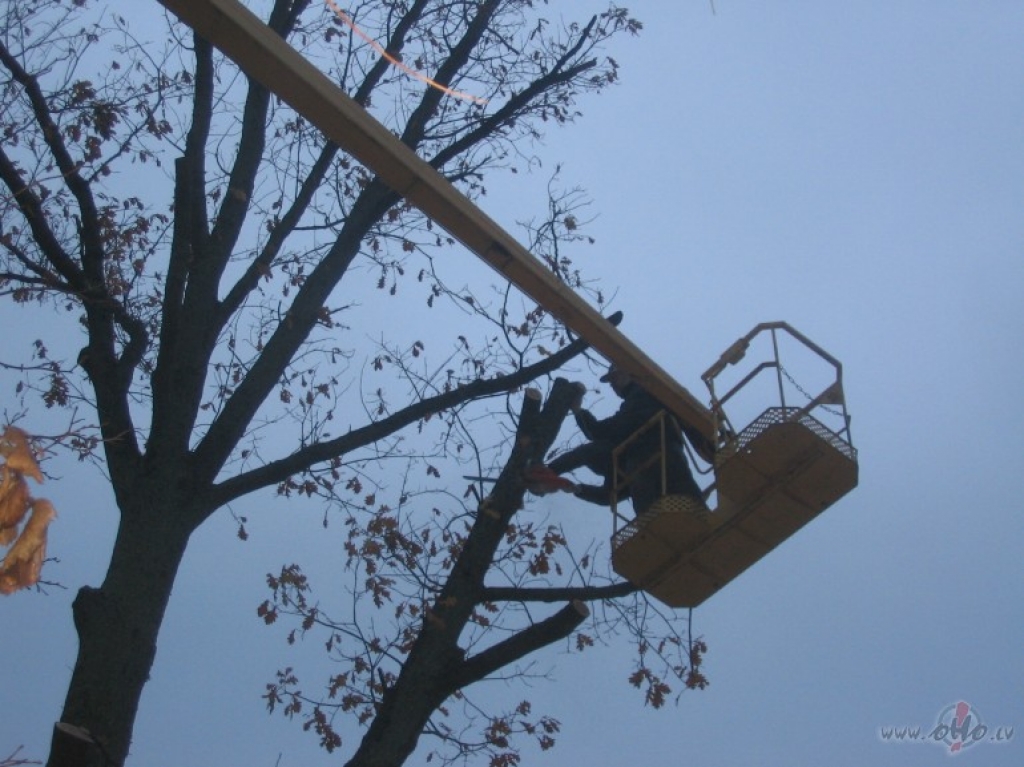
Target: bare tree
x,y
214,253
441,601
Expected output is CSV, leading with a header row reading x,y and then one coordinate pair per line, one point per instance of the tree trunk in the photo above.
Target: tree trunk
x,y
437,665
407,707
72,746
118,624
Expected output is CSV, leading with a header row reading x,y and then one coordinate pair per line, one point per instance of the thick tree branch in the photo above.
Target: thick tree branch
x,y
291,332
182,359
416,127
315,177
509,112
521,101
92,246
278,471
519,645
190,229
208,252
581,593
31,208
395,46
248,160
284,229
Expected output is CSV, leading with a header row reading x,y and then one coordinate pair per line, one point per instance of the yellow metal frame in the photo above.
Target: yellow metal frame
x,y
621,480
772,478
832,395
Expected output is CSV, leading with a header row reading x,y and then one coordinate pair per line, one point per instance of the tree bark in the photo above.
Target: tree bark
x,y
118,624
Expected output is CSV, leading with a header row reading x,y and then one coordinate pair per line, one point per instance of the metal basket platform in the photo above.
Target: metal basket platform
x,y
777,475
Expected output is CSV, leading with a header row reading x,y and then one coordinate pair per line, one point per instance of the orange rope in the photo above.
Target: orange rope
x,y
408,70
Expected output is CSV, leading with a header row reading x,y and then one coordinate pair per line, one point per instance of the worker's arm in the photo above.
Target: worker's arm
x,y
599,495
587,423
634,412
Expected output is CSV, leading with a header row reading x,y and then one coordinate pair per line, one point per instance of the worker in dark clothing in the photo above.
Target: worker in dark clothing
x,y
604,435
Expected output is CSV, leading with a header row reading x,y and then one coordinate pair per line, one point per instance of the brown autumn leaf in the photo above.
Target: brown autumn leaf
x,y
14,503
23,563
15,447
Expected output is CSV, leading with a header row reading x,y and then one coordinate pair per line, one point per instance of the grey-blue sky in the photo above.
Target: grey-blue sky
x,y
857,170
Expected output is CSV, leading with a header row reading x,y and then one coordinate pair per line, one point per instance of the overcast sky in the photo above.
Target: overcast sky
x,y
856,169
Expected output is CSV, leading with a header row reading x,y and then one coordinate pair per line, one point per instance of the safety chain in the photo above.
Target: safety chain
x,y
803,391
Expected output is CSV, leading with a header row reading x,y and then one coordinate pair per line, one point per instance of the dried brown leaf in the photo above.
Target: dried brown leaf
x,y
15,447
14,503
23,563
